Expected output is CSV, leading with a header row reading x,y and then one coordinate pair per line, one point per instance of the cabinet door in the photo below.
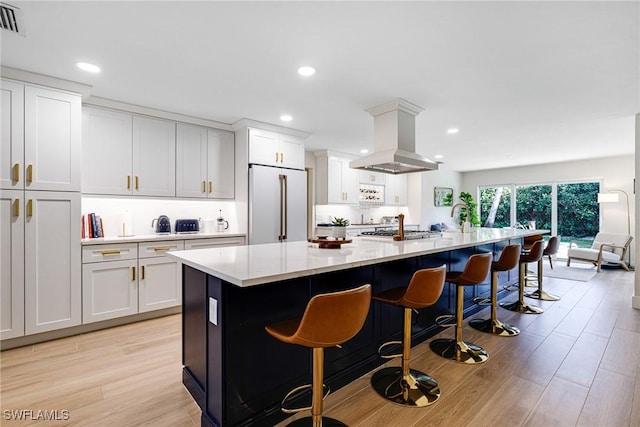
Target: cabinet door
x,y
12,134
396,190
106,152
109,290
350,178
52,126
335,193
154,157
159,285
191,161
263,148
221,172
291,152
52,261
12,264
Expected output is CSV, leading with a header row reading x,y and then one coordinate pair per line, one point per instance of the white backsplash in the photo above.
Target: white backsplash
x,y
142,211
356,214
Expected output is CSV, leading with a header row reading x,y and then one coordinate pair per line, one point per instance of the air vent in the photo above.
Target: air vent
x,y
11,19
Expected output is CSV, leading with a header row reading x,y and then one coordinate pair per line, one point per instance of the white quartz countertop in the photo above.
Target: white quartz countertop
x,y
156,237
259,264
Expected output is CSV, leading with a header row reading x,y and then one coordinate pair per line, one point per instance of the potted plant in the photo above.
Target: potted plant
x,y
339,227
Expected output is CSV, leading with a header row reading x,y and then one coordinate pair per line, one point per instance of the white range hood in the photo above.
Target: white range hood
x,y
394,141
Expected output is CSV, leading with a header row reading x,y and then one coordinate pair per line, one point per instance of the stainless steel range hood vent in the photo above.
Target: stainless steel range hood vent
x,y
394,141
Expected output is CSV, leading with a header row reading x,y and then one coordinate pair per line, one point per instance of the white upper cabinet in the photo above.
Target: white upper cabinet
x,y
205,165
106,152
40,138
154,157
12,128
124,154
396,190
275,149
336,182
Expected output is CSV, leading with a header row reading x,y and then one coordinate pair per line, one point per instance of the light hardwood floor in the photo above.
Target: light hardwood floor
x,y
576,364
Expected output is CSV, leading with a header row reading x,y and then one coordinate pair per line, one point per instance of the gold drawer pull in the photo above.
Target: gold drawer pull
x,y
16,208
142,273
30,207
111,252
276,157
133,274
162,248
204,186
281,157
210,187
136,182
30,174
16,172
128,182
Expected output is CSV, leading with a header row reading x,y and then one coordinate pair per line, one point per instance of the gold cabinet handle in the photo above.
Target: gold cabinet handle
x,y
276,157
161,248
16,208
16,172
111,252
30,174
204,186
142,273
30,208
281,157
210,187
128,182
133,274
136,182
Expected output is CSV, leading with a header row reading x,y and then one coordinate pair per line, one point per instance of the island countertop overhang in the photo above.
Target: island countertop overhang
x,y
252,265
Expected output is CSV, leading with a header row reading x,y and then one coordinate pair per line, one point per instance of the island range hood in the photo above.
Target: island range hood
x,y
394,147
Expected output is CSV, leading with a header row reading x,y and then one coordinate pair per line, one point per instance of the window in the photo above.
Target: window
x,y
495,207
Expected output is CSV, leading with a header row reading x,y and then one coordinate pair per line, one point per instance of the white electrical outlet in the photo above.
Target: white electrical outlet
x,y
213,311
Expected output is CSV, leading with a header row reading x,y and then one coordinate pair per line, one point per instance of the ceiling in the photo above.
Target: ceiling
x,y
524,82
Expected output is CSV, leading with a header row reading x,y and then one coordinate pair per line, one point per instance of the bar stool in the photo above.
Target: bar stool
x,y
551,249
475,271
534,255
403,385
328,320
508,260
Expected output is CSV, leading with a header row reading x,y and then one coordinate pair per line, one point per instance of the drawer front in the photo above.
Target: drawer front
x,y
115,252
213,243
159,248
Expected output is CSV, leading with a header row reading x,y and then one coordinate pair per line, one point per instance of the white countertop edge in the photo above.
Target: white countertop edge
x,y
184,257
156,237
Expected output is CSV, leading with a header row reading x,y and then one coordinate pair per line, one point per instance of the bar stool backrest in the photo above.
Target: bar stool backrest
x,y
424,288
552,246
508,259
476,269
535,253
333,318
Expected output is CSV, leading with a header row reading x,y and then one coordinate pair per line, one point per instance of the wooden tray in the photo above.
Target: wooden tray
x,y
330,243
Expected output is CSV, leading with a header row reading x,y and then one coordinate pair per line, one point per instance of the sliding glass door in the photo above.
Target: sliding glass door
x,y
533,206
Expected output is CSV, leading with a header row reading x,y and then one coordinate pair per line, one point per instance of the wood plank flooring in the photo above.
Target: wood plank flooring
x,y
577,364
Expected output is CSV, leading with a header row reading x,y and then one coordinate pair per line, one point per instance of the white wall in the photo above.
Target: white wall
x,y
423,184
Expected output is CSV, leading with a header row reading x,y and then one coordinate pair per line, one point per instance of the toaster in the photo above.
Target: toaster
x,y
187,225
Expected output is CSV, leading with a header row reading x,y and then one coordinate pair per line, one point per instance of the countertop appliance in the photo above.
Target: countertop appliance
x,y
162,224
185,226
277,204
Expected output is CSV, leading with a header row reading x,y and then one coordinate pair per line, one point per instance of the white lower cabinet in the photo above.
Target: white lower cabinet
x,y
109,290
160,280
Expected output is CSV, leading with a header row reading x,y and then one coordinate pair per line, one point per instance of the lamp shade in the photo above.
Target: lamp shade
x,y
608,198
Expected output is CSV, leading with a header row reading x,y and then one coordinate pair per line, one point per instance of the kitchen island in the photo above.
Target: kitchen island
x,y
238,374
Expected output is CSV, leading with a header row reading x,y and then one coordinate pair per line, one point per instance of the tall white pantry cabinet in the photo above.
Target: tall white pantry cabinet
x,y
40,222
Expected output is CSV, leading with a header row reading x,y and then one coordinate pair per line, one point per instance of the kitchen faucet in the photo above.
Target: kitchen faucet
x,y
466,224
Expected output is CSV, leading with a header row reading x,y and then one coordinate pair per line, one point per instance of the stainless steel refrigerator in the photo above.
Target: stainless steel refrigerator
x,y
277,204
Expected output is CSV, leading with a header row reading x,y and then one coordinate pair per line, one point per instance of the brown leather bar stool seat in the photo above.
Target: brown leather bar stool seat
x,y
328,320
403,385
475,271
508,260
551,249
534,255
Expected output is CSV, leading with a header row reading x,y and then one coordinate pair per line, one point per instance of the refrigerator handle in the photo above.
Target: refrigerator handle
x,y
286,194
282,195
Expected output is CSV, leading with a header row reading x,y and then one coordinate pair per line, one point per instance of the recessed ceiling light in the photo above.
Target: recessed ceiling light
x,y
453,130
306,71
438,156
286,118
85,66
364,151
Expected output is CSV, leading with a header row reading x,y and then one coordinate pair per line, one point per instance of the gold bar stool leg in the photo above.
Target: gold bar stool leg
x,y
493,325
540,293
401,384
520,305
457,349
